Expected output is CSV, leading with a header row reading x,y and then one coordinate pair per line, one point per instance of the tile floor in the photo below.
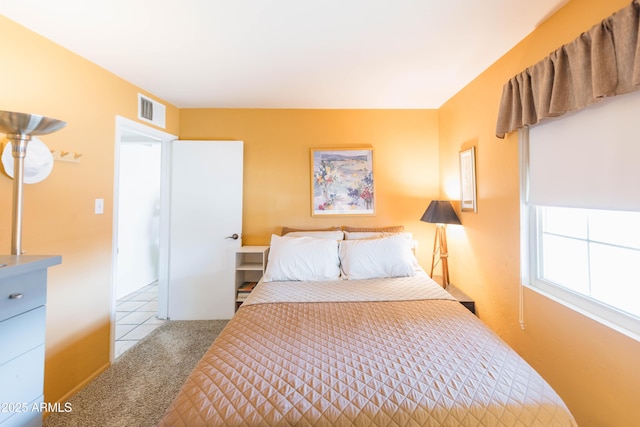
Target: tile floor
x,y
136,317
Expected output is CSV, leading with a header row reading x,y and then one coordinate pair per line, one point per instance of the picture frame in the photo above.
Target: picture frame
x,y
468,199
342,182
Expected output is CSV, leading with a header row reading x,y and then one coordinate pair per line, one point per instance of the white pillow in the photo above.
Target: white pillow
x,y
334,235
302,258
384,257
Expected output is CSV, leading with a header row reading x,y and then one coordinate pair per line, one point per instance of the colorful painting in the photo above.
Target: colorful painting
x,y
342,182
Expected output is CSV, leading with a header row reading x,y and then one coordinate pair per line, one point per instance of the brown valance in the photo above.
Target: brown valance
x,y
604,61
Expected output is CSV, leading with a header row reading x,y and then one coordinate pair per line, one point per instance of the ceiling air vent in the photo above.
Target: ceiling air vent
x,y
151,111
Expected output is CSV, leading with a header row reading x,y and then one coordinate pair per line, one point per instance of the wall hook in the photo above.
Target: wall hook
x,y
66,156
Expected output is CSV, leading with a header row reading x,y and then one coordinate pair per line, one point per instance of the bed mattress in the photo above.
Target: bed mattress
x,y
385,352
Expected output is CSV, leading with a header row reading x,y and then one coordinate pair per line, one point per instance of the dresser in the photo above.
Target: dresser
x,y
23,294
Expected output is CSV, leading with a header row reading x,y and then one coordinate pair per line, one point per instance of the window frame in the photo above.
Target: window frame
x,y
530,250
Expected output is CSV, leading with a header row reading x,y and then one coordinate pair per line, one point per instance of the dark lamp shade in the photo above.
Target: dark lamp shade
x,y
440,212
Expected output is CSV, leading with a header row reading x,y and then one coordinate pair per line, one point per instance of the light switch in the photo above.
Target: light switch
x,y
99,208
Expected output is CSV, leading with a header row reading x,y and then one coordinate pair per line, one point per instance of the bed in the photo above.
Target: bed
x,y
388,347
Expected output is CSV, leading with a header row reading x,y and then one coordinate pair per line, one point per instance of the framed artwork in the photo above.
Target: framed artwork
x,y
468,180
342,181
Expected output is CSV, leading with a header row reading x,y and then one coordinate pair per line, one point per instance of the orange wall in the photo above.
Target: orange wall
x,y
38,76
593,368
277,166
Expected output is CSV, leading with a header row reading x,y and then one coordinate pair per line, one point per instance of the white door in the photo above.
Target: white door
x,y
206,209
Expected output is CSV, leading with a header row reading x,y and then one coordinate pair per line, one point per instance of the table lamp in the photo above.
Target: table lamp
x,y
441,213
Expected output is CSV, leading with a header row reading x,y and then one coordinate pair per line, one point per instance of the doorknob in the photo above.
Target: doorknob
x,y
234,236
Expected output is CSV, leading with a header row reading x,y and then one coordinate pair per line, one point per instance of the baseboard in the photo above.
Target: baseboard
x,y
79,387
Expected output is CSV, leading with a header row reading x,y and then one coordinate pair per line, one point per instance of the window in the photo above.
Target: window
x,y
581,212
592,256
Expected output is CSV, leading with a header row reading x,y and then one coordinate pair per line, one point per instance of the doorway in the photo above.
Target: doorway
x,y
138,214
139,230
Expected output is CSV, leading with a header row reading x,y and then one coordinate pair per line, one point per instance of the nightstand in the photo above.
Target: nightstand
x,y
251,262
462,298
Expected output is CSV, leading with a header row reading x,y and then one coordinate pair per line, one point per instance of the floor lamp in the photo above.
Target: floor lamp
x,y
19,128
441,213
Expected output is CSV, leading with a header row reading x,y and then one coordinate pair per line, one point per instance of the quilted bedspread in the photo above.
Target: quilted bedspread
x,y
335,357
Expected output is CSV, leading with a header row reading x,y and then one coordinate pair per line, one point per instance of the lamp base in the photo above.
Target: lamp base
x,y
19,151
440,251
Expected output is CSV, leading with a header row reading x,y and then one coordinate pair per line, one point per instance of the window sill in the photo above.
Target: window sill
x,y
621,322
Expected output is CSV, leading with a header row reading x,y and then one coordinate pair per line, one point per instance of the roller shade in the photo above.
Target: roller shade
x,y
589,158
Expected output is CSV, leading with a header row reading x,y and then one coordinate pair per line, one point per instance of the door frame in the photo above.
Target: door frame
x,y
124,125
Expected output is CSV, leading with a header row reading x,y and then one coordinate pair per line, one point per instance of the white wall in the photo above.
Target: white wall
x,y
138,216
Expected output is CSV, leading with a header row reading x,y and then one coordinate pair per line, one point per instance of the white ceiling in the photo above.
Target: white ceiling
x,y
288,53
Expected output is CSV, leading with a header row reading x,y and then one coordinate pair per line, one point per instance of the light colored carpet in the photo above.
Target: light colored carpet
x,y
138,387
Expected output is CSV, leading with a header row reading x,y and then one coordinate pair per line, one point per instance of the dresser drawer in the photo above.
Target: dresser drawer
x,y
22,293
22,333
22,379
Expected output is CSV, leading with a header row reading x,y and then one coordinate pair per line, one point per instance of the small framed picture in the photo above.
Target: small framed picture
x,y
342,182
468,180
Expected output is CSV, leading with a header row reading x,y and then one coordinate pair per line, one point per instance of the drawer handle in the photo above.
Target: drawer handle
x,y
16,296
